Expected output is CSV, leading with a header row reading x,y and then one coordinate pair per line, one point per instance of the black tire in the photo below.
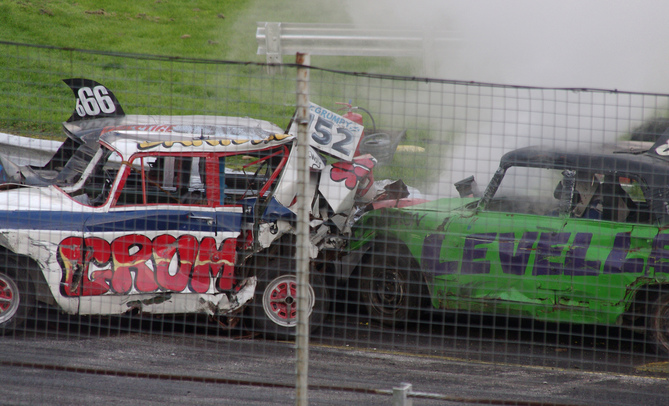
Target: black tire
x,y
274,307
390,286
17,298
659,323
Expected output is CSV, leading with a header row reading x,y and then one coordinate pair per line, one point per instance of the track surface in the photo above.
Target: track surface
x,y
129,361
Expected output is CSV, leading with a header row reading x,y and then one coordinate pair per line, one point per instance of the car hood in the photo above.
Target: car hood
x,y
442,205
35,198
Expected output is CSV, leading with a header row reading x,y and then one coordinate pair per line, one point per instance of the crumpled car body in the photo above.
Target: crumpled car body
x,y
97,108
187,218
564,236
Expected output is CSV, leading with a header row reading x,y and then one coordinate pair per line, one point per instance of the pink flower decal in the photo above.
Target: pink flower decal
x,y
351,173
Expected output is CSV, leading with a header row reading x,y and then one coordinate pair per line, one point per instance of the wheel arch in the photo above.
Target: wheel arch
x,y
270,265
393,244
640,299
284,247
34,271
387,244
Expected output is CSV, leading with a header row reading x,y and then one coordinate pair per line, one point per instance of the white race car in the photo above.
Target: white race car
x,y
191,214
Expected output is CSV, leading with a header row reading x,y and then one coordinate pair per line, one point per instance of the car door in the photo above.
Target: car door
x,y
163,233
607,254
513,247
509,261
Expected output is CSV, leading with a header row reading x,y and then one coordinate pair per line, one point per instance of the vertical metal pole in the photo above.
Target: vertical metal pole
x,y
273,46
401,395
302,253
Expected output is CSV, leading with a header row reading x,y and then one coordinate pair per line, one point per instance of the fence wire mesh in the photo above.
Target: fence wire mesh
x,y
483,242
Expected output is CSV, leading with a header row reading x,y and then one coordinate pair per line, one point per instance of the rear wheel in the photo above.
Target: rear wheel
x,y
659,323
17,299
390,288
273,312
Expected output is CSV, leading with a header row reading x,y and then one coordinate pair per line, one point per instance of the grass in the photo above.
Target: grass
x,y
194,36
208,29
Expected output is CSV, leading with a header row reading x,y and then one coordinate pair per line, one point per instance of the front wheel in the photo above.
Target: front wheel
x,y
274,308
390,288
16,299
659,323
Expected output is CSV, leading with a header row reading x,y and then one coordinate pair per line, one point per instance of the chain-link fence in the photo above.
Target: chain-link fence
x,y
487,244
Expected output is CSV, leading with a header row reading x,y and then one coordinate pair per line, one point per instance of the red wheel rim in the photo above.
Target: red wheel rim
x,y
280,300
9,298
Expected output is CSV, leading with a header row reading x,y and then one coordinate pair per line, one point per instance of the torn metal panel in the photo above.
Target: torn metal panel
x,y
274,211
315,212
346,265
286,190
9,171
341,222
316,162
318,235
270,232
340,199
340,182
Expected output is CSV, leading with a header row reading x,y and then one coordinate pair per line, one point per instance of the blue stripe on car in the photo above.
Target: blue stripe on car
x,y
145,220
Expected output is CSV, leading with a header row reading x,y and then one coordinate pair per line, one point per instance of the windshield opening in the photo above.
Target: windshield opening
x,y
76,165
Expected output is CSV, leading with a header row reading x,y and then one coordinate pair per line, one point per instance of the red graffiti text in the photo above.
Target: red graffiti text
x,y
93,266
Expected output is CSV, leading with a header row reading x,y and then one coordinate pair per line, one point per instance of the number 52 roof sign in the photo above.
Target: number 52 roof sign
x,y
331,133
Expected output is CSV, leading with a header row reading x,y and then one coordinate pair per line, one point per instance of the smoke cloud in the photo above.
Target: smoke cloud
x,y
611,44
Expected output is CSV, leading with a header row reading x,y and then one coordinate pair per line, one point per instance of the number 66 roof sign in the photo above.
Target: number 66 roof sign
x,y
93,101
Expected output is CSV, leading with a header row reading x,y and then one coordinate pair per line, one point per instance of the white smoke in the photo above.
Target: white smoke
x,y
604,44
610,44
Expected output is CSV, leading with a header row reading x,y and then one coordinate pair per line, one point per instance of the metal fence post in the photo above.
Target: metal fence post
x,y
273,46
302,252
401,395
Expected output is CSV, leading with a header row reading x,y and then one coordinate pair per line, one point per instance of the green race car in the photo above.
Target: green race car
x,y
565,236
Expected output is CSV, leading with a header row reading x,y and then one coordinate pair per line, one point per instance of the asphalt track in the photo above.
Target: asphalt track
x,y
132,362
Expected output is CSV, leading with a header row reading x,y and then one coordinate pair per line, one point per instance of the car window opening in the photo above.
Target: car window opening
x,y
594,196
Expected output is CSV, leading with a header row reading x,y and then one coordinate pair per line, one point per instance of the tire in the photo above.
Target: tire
x,y
273,312
390,287
17,299
659,323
